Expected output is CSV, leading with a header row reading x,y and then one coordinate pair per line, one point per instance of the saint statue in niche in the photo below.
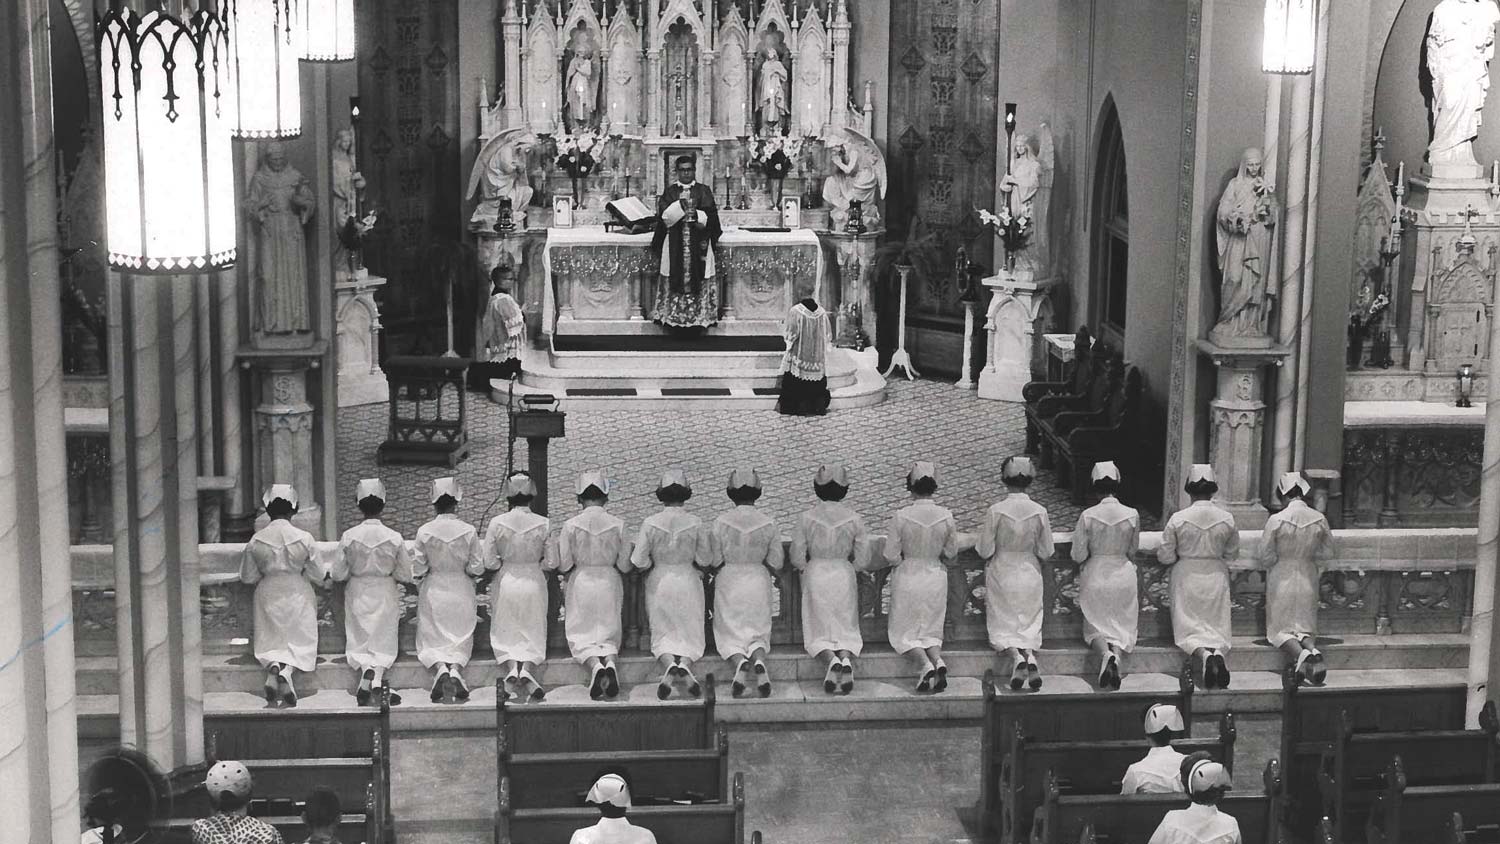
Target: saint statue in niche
x,y
347,183
771,96
581,85
1460,44
1245,218
279,203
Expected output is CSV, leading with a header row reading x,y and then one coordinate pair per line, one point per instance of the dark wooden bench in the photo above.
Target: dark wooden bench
x,y
560,780
1080,767
1312,720
606,726
1089,717
705,823
354,828
289,751
1354,771
1076,383
1079,440
1404,814
1091,401
1132,818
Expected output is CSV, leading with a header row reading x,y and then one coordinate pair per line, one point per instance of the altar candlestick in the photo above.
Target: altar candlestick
x,y
1400,174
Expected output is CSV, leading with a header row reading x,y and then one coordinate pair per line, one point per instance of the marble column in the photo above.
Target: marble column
x,y
510,35
1237,419
39,739
839,113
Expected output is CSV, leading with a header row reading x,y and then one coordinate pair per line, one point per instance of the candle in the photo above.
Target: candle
x,y
1495,173
1401,174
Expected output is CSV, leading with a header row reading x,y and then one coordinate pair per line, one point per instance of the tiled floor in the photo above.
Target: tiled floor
x,y
967,437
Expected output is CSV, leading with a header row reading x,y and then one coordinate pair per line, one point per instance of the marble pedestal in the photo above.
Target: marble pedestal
x,y
1237,426
1011,323
283,421
361,380
854,255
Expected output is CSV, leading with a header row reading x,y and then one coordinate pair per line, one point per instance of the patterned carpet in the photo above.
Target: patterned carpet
x,y
967,437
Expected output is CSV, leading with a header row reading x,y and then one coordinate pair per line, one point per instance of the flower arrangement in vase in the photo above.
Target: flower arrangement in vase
x,y
774,156
578,156
1014,229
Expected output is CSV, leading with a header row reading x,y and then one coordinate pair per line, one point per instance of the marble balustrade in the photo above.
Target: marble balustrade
x,y
1385,581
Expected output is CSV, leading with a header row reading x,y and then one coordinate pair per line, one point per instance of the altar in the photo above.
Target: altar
x,y
598,282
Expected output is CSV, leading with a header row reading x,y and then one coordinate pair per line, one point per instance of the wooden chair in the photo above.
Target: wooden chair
x,y
1080,767
1131,818
1087,717
1404,814
607,726
560,780
707,823
1354,771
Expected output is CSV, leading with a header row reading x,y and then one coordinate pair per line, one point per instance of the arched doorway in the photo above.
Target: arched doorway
x,y
1110,253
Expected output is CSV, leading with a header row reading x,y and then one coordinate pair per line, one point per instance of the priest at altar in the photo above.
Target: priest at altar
x,y
687,232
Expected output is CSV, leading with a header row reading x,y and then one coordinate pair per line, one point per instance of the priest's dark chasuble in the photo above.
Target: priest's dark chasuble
x,y
686,291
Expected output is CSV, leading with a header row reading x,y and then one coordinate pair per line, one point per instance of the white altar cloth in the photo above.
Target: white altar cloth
x,y
598,236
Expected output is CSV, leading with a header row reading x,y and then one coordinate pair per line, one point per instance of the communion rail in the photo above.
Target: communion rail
x,y
1383,581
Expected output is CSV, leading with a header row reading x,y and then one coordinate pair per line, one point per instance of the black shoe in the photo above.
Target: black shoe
x,y
611,681
538,694
1319,673
763,680
596,684
924,685
1033,676
362,694
395,699
942,679
737,689
1109,678
846,672
1217,671
831,678
288,692
460,689
439,687
1018,677
663,691
270,688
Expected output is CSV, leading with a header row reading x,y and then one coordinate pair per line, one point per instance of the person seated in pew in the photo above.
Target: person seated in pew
x,y
1015,538
1292,547
830,545
611,794
1201,822
517,544
1160,772
373,558
920,537
229,787
1199,542
593,551
322,813
745,545
448,556
279,561
673,545
129,803
1105,537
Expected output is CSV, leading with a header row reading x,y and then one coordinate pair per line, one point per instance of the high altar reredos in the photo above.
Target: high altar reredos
x,y
701,78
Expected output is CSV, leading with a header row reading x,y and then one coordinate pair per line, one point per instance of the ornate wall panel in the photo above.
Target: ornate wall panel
x,y
1412,477
943,128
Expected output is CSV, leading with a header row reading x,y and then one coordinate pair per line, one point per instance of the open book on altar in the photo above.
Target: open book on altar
x,y
630,214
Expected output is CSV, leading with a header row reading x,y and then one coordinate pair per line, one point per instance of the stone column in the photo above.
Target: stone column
x,y
1237,418
284,431
838,116
39,739
650,126
510,36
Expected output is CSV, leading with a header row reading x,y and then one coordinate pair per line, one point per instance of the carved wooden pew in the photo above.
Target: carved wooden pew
x,y
559,780
1404,814
353,827
1356,768
1131,818
1093,400
1076,383
1082,767
708,823
1082,439
1311,721
1090,717
607,726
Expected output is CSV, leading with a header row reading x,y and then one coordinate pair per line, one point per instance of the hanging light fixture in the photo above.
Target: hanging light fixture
x,y
168,168
1290,36
328,27
265,42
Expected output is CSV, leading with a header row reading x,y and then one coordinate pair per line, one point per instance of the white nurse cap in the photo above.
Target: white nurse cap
x,y
591,479
519,484
1205,775
1163,716
920,470
1105,469
446,486
832,473
611,789
744,476
1201,472
369,488
1290,481
283,492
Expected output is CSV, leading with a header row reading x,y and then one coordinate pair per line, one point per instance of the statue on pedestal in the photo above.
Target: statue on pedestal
x,y
858,176
1020,186
500,173
279,203
1244,221
347,185
771,93
582,89
1460,44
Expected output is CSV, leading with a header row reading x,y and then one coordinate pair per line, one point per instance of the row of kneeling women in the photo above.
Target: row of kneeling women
x,y
829,545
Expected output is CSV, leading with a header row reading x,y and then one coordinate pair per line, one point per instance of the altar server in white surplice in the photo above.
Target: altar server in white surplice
x,y
1103,540
1016,537
920,537
672,545
449,554
830,544
279,560
593,550
373,559
1199,542
1293,546
746,546
516,544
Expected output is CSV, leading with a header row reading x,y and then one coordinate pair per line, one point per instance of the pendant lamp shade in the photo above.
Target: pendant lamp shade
x,y
265,43
168,169
1290,36
328,26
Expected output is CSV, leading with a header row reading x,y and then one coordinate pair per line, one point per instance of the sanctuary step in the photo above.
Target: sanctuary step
x,y
883,682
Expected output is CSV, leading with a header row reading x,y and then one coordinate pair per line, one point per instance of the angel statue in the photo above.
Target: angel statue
x,y
858,174
500,170
1020,185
